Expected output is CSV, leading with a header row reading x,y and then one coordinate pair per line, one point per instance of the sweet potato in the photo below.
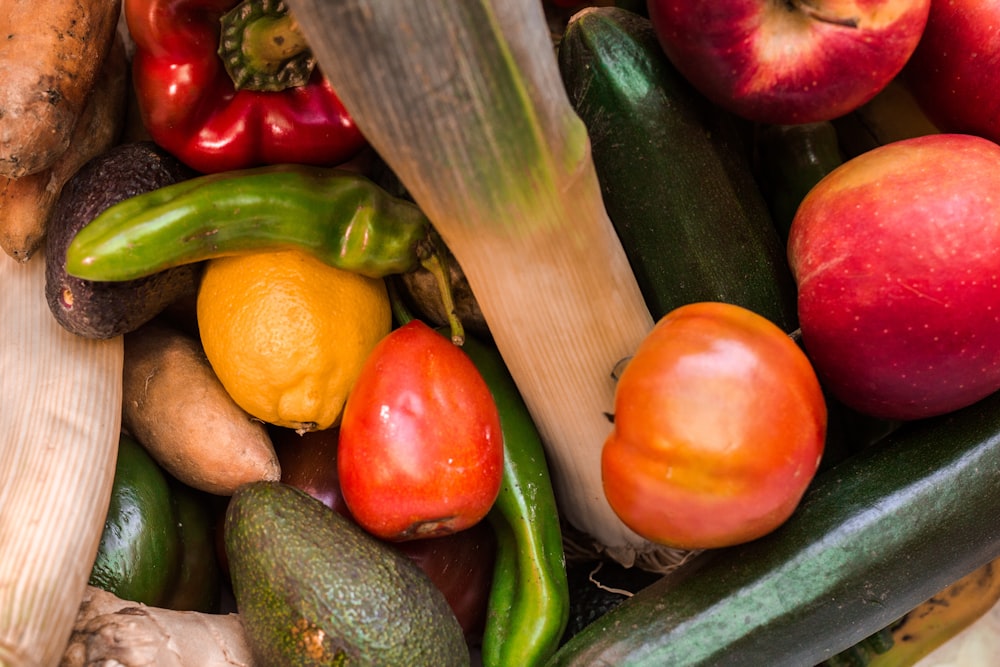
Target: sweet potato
x,y
52,52
112,631
176,407
26,203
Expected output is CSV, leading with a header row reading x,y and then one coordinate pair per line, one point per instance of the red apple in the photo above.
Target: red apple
x,y
954,71
896,254
789,61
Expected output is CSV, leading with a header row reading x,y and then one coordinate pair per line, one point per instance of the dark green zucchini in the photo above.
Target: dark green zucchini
x,y
675,173
873,537
790,160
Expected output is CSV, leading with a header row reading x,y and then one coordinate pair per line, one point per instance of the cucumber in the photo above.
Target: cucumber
x,y
874,536
158,542
675,173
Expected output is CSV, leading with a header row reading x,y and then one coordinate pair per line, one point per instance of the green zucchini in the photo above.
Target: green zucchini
x,y
790,160
874,536
675,173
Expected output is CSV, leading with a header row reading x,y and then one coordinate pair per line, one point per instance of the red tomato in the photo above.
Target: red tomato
x,y
719,427
420,451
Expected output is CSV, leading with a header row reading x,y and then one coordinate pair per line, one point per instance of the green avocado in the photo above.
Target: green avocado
x,y
139,553
312,588
158,543
199,577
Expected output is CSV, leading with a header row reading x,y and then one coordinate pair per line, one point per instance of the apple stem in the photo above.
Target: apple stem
x,y
816,13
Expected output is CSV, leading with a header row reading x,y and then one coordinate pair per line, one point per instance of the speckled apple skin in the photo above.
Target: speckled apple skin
x,y
954,70
786,62
896,255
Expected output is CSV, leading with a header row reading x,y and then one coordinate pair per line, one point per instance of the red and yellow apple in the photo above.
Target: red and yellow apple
x,y
955,68
789,61
896,255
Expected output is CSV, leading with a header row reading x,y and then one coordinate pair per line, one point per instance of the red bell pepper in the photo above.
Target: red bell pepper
x,y
191,106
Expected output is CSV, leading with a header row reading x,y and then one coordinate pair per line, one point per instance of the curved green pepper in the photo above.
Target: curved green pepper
x,y
529,600
338,216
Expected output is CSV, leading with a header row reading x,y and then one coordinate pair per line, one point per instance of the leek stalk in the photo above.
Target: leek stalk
x,y
59,428
463,100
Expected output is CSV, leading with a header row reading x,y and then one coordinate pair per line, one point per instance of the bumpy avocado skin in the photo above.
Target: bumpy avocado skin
x,y
107,309
314,589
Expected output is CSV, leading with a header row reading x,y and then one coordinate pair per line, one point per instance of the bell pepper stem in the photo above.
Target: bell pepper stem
x,y
262,47
270,41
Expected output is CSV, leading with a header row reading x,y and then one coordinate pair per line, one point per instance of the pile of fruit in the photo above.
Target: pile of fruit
x,y
503,333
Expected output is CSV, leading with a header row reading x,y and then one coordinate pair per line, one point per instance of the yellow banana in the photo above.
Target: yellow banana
x,y
940,618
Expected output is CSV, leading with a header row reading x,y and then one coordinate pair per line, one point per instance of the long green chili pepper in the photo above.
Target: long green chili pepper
x,y
528,608
529,600
341,217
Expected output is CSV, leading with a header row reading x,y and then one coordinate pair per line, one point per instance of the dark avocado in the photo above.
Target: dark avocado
x,y
107,309
312,588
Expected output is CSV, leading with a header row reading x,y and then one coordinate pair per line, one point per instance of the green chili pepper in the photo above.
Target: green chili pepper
x,y
529,600
339,216
528,608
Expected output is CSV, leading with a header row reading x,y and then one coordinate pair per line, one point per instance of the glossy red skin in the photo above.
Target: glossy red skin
x,y
817,70
460,564
421,450
897,259
719,427
954,71
309,462
190,106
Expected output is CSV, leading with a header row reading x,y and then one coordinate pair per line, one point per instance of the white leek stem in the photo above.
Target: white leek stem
x,y
60,415
464,101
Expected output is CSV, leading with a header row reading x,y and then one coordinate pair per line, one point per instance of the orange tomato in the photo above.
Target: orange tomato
x,y
719,427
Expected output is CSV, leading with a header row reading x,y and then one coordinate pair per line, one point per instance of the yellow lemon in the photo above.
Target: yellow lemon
x,y
287,334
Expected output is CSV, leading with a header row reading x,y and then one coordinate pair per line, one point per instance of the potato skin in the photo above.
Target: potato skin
x,y
52,53
27,203
175,406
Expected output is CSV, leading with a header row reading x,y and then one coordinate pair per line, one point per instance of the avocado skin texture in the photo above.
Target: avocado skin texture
x,y
139,553
102,310
312,588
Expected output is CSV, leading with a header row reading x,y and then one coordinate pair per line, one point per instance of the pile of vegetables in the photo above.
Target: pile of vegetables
x,y
641,389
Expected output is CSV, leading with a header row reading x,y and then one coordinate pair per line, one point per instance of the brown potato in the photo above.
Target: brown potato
x,y
52,52
175,406
421,291
26,203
